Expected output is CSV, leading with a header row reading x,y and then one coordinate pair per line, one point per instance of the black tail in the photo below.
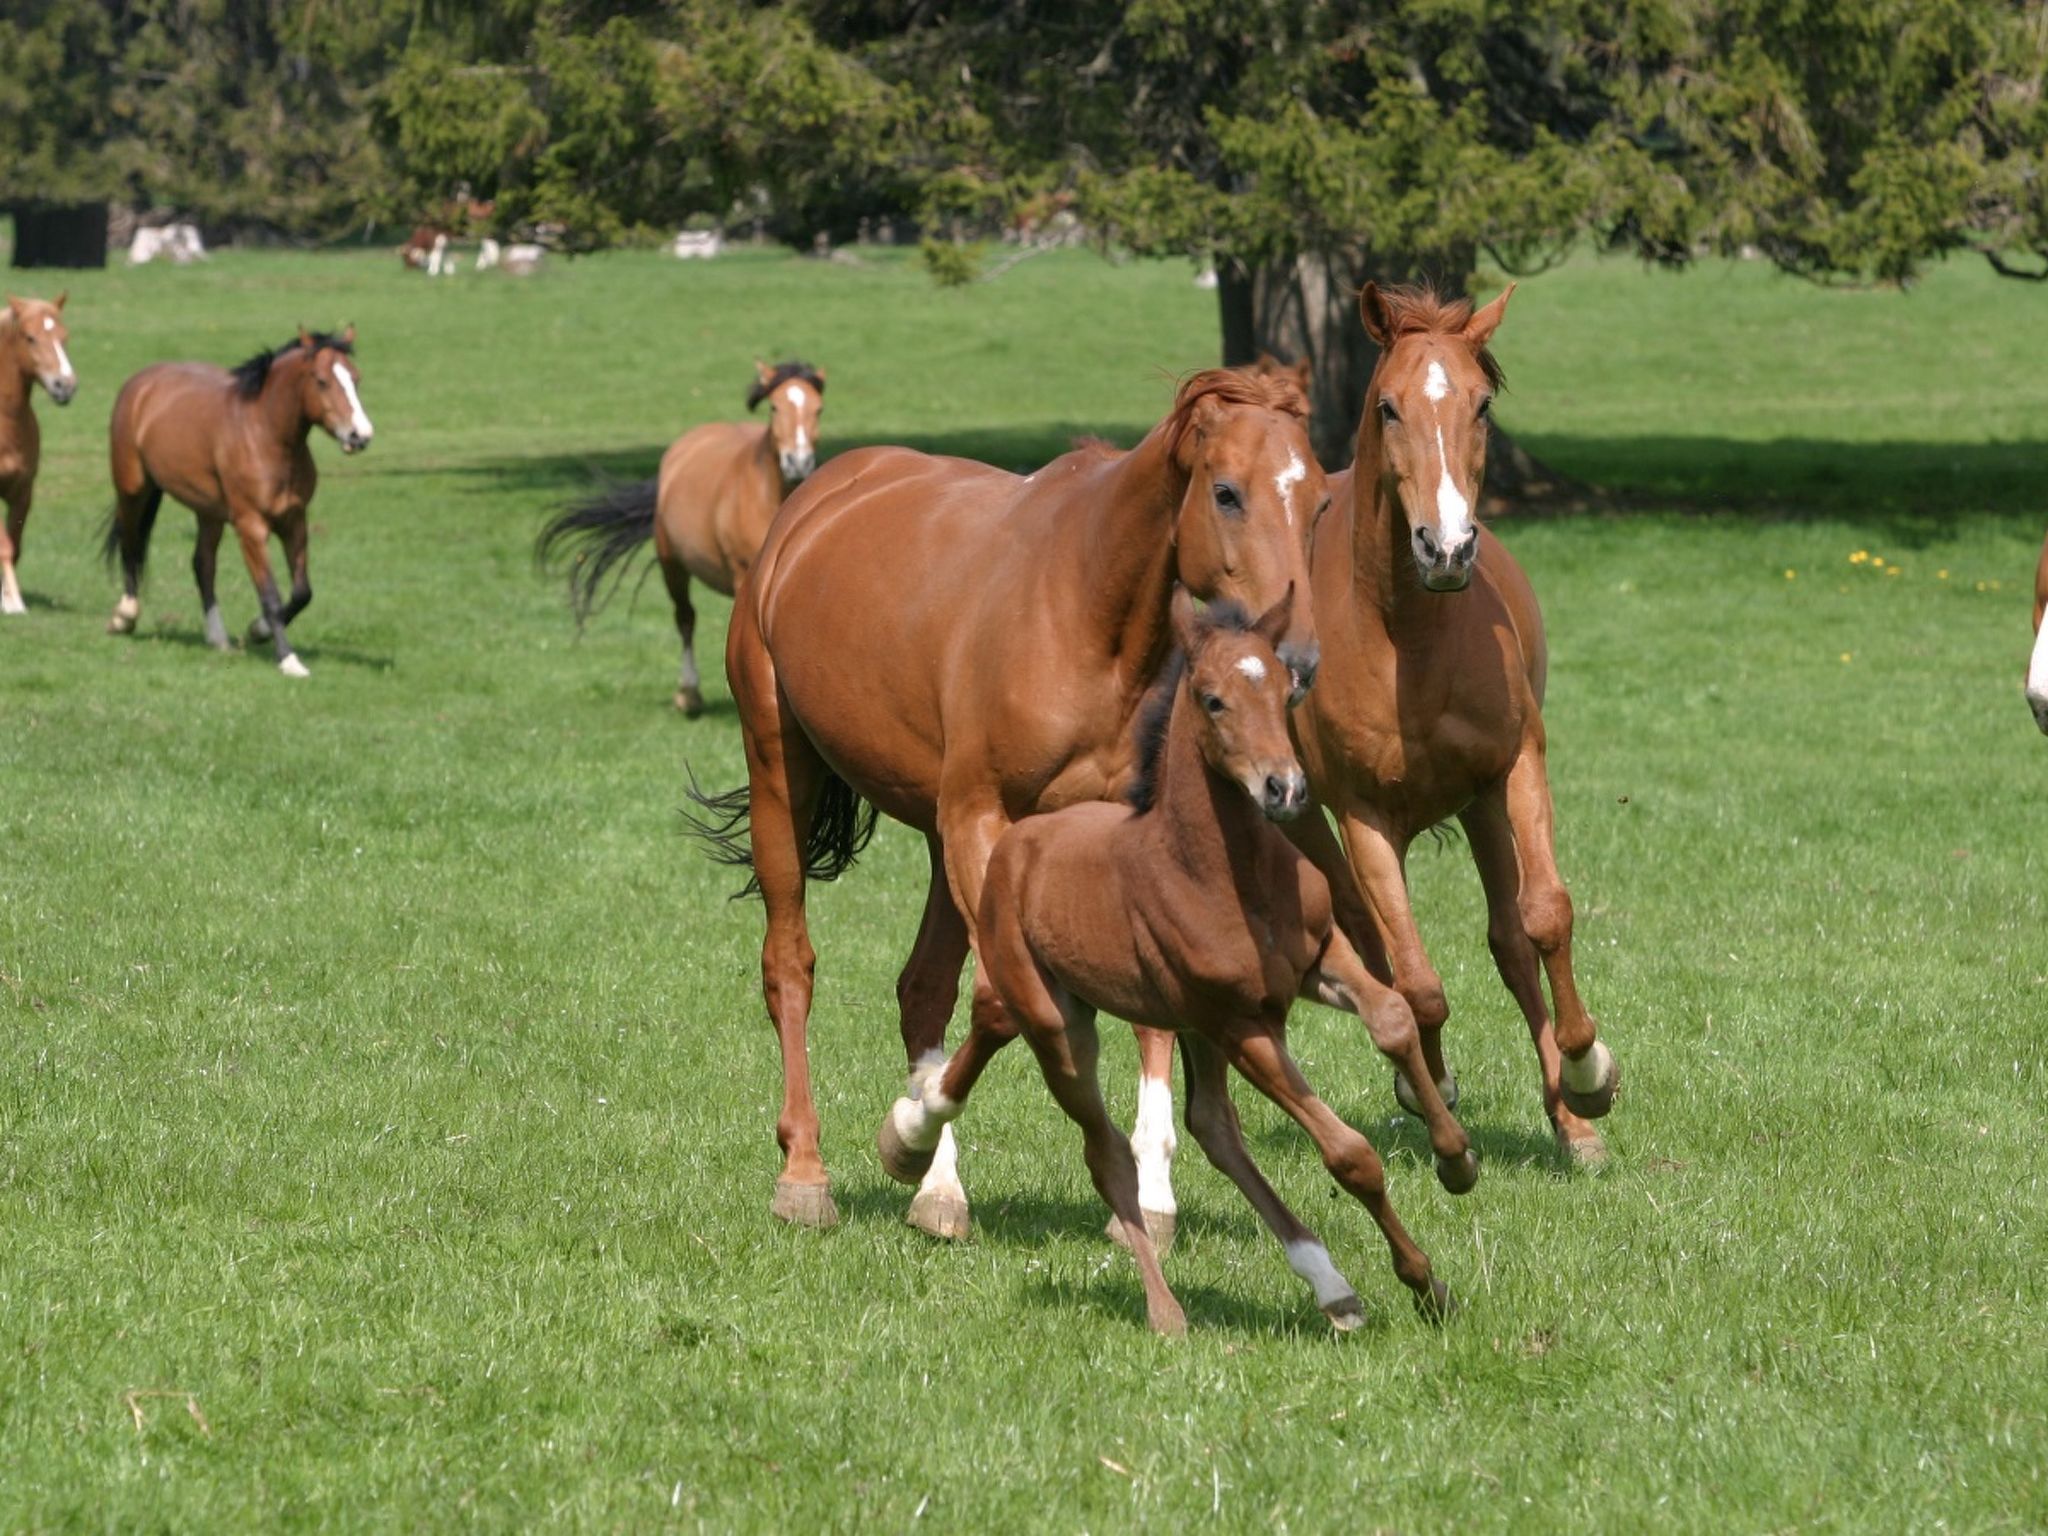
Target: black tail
x,y
604,532
130,546
840,828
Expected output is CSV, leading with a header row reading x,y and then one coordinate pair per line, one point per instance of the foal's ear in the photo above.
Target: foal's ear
x,y
1480,328
762,371
1372,309
819,375
62,295
348,334
1182,613
1271,625
305,338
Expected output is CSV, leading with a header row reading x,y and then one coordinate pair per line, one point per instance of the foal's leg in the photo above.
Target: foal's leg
x,y
1587,1077
784,774
205,562
689,690
925,994
254,533
1212,1121
1262,1057
10,550
1152,1138
1339,979
1380,864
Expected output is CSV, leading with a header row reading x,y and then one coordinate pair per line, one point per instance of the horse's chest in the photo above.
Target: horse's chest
x,y
1430,766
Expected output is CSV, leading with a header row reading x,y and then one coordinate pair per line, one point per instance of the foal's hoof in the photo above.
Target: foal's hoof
x,y
940,1213
1437,1305
690,701
1458,1174
1588,1084
1582,1147
1404,1091
901,1161
804,1205
1345,1313
1159,1226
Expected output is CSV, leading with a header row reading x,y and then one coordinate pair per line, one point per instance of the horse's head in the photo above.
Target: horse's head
x,y
333,388
1254,493
38,341
795,393
1425,425
1239,690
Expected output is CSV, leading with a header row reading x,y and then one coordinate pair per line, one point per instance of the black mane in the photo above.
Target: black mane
x,y
782,374
251,374
1157,711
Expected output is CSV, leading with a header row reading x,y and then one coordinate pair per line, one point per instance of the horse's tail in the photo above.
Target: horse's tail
x,y
605,532
841,825
129,543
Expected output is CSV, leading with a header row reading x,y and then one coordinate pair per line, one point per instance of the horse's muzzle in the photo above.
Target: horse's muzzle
x,y
61,388
1442,568
1283,795
796,468
353,442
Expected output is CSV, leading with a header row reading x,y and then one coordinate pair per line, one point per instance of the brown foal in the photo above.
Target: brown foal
x,y
32,337
1188,911
961,647
2037,664
231,445
707,511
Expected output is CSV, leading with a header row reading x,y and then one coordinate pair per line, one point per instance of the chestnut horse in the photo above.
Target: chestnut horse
x,y
32,337
707,512
232,447
1187,911
961,647
2037,665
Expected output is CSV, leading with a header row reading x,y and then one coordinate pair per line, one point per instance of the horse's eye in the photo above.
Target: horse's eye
x,y
1212,703
1227,497
1485,407
1387,412
321,382
1321,507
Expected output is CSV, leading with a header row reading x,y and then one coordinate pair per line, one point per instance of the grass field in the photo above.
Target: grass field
x,y
380,1066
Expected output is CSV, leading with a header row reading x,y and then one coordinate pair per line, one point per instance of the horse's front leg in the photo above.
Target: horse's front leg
x,y
293,531
11,536
1379,862
253,530
1152,1139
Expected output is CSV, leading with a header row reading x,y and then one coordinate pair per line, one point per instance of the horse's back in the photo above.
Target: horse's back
x,y
714,502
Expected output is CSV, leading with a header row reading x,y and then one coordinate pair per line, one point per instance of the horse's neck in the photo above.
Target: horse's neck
x,y
15,382
281,405
1202,818
768,464
1383,570
1125,555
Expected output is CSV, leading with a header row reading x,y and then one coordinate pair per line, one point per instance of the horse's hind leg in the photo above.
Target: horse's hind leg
x,y
1213,1122
10,548
1262,1057
925,994
205,562
784,777
689,687
1152,1139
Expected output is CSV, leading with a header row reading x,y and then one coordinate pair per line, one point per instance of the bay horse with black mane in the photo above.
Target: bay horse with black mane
x,y
32,337
707,511
987,669
1189,911
231,445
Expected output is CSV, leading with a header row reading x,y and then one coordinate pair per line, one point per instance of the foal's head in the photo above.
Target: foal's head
x,y
1254,495
35,343
1238,689
329,386
795,393
1426,413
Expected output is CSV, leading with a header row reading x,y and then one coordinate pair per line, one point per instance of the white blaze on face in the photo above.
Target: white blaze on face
x,y
1436,384
1453,512
63,358
1286,481
2037,671
795,396
1152,1141
359,421
1252,668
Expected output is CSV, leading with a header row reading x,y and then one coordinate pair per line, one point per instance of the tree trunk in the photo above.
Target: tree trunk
x,y
1307,309
59,234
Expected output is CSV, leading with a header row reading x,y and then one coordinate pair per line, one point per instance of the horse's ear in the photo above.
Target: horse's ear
x,y
14,304
1302,376
1271,625
819,375
305,338
62,295
762,371
1480,328
348,334
1182,611
1372,309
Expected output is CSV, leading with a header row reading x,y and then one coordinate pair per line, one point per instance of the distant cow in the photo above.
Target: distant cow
x,y
697,244
425,249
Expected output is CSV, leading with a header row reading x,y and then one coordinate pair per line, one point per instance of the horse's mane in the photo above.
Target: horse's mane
x,y
1419,311
782,374
1232,386
1156,714
251,373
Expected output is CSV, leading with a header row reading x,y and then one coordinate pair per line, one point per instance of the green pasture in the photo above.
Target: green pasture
x,y
381,1067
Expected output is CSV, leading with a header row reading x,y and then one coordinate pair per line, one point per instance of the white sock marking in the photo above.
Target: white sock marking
x,y
1252,668
291,666
1153,1143
688,677
10,592
358,419
1286,481
1453,512
944,1177
1591,1070
2037,668
1437,383
1311,1260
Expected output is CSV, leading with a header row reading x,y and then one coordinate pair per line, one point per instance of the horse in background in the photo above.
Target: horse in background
x,y
32,337
2037,666
707,511
1187,910
231,445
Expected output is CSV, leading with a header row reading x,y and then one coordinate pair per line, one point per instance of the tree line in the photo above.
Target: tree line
x,y
1298,146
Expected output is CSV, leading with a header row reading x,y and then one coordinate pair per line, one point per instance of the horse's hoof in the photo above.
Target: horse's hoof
x,y
690,701
121,624
1404,1091
939,1213
13,607
1159,1226
901,1161
1458,1174
1345,1313
259,630
804,1205
1168,1321
1583,1148
291,666
1438,1305
1588,1084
